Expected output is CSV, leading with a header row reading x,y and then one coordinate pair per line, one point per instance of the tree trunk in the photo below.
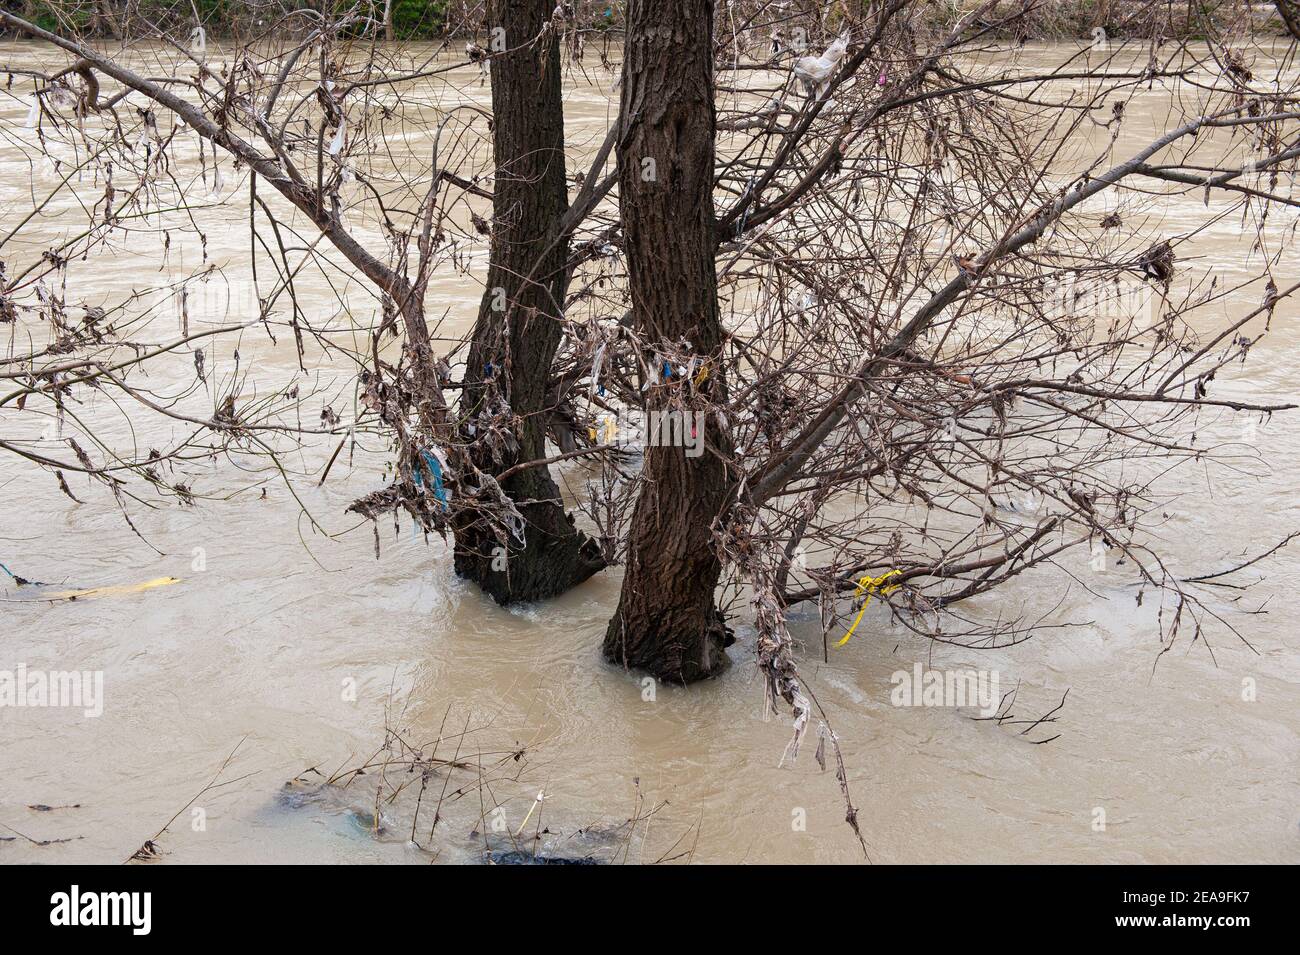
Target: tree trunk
x,y
107,18
518,331
667,623
1290,11
388,20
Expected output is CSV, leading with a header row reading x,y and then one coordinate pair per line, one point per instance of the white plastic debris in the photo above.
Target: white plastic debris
x,y
815,71
33,114
340,136
596,364
518,529
199,41
442,458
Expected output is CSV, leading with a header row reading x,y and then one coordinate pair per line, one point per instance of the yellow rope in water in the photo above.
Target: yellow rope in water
x,y
869,585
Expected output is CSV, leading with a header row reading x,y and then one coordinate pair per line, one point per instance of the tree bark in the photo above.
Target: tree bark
x,y
1290,12
518,327
108,17
667,622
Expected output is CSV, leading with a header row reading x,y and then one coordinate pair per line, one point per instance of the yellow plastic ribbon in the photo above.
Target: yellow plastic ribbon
x,y
110,591
606,428
870,586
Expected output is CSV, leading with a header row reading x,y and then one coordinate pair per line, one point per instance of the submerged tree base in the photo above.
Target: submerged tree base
x,y
668,647
556,557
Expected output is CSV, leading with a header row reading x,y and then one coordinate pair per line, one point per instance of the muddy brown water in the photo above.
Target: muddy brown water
x,y
272,622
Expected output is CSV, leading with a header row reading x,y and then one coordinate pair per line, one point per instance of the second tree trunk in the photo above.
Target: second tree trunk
x,y
518,328
667,623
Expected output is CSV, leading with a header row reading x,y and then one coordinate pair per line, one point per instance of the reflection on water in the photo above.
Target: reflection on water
x,y
310,648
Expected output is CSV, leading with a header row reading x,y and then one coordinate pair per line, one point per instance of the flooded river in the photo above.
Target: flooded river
x,y
297,641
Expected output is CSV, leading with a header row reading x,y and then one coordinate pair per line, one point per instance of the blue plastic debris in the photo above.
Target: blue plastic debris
x,y
435,473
